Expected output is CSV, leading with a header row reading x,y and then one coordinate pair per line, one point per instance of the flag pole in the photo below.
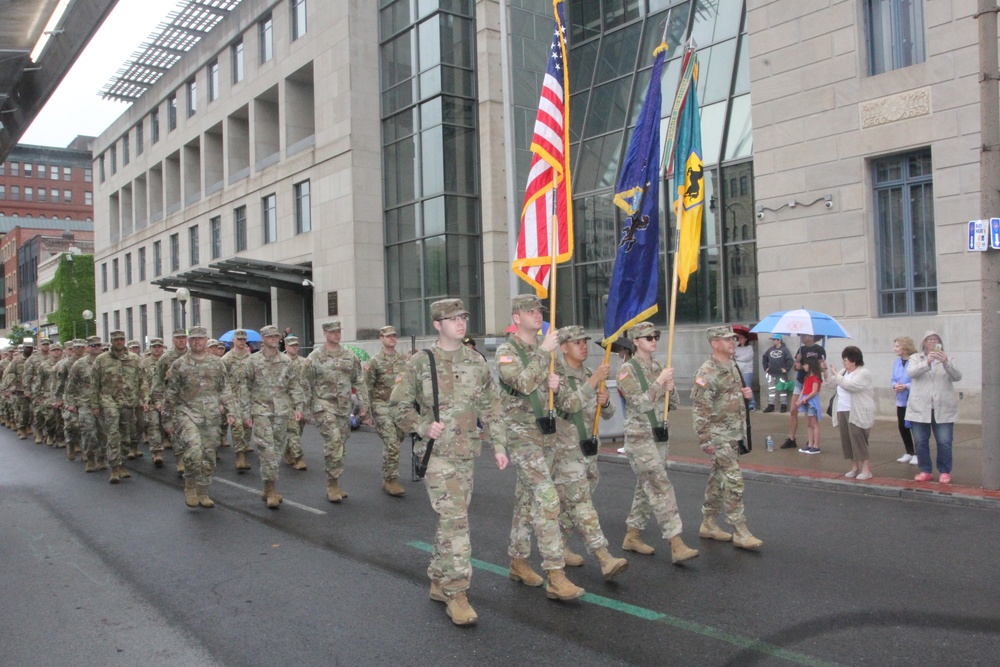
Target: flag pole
x,y
601,387
554,252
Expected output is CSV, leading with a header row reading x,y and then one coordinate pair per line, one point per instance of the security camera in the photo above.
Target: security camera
x,y
760,215
828,204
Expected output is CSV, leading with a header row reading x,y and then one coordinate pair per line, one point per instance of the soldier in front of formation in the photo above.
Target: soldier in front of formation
x,y
332,373
293,452
79,390
198,389
234,361
381,374
7,406
155,434
115,396
22,404
465,393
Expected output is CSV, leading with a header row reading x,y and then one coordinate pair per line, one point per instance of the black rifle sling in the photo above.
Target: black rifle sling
x,y
437,407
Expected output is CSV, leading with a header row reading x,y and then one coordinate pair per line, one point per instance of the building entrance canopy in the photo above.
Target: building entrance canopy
x,y
222,281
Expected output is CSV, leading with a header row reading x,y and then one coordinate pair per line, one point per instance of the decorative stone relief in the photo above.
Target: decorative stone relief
x,y
889,109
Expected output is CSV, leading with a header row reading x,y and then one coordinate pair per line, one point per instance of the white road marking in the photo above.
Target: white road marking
x,y
256,492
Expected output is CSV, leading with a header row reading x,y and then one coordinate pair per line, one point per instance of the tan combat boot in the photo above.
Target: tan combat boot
x,y
633,542
71,453
289,459
203,499
38,439
180,465
157,460
743,539
102,463
710,530
167,444
115,477
123,472
49,441
611,567
521,571
459,610
393,488
241,462
561,588
130,453
333,492
680,552
572,559
300,464
190,493
437,593
272,496
91,466
21,434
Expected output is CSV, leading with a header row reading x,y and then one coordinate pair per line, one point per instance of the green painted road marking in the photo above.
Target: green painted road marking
x,y
674,621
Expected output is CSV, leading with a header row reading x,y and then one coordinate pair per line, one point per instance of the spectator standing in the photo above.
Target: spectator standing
x,y
854,410
810,404
744,361
932,405
777,361
808,350
904,349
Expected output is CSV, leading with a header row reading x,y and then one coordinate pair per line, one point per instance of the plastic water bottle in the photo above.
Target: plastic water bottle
x,y
770,444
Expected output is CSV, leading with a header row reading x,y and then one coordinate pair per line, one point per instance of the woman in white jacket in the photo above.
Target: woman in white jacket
x,y
854,410
933,405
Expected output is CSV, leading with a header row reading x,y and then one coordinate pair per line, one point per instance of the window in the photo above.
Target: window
x,y
114,275
240,228
172,112
904,220
213,80
27,169
175,252
43,194
158,319
107,329
157,259
237,57
129,331
175,314
88,174
142,264
193,245
895,34
67,174
29,194
3,168
54,174
269,211
67,196
192,97
100,165
15,192
216,231
138,138
41,171
303,211
195,311
128,269
125,152
15,169
298,18
265,29
143,326
88,198
3,192
118,320
154,125
114,160
104,277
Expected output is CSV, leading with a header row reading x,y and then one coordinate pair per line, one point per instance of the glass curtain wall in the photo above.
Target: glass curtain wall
x,y
611,57
430,159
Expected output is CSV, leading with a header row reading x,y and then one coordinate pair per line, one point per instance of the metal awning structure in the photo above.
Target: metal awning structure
x,y
223,281
183,29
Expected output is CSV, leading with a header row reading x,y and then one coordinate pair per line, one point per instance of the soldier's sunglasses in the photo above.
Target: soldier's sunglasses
x,y
651,338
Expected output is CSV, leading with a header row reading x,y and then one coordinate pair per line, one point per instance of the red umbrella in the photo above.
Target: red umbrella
x,y
744,331
512,328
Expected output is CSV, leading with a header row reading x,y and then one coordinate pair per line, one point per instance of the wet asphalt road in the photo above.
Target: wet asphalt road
x,y
99,575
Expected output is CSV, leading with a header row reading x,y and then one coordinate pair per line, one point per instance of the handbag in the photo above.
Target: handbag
x,y
829,406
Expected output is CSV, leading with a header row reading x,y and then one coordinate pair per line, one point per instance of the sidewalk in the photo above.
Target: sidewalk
x,y
826,470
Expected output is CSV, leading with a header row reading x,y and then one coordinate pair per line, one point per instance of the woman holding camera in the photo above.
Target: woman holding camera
x,y
933,405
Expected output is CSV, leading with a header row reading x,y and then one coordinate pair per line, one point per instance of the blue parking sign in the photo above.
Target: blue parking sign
x,y
995,233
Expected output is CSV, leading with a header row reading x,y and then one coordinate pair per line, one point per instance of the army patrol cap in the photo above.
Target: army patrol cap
x,y
327,326
240,333
388,330
198,332
28,342
721,331
57,346
117,333
212,342
271,330
525,302
133,343
572,333
180,333
94,341
643,329
291,340
153,342
44,340
79,342
446,308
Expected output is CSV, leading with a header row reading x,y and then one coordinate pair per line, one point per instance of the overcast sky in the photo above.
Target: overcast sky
x,y
76,108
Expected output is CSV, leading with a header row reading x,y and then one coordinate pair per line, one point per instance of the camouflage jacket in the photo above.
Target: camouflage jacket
x,y
197,388
117,380
148,367
4,382
639,402
717,405
270,387
79,383
531,378
330,377
30,366
380,376
234,368
16,372
301,365
41,381
158,386
466,391
577,381
60,374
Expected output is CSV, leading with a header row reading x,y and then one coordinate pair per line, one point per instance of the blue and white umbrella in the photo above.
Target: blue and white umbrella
x,y
252,336
799,322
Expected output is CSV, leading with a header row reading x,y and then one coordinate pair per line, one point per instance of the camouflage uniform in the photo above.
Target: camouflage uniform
x,y
42,398
330,377
37,410
654,494
70,425
7,407
294,450
117,382
465,391
22,404
158,391
380,377
79,390
269,393
234,361
719,414
197,389
155,434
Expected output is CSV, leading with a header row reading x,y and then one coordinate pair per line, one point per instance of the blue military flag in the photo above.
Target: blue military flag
x,y
635,280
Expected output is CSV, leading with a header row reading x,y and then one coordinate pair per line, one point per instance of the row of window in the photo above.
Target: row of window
x,y
269,232
42,171
183,316
43,195
265,36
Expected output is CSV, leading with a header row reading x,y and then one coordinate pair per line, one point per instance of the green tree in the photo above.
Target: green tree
x,y
73,286
18,334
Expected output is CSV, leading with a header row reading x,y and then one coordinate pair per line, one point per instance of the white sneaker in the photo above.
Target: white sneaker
x,y
905,458
621,450
913,460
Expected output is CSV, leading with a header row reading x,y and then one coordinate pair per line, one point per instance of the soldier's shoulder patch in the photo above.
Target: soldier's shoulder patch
x,y
365,365
701,382
505,359
622,374
399,378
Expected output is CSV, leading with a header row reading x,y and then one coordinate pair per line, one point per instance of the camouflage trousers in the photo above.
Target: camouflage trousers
x,y
22,411
154,430
535,496
39,416
449,487
593,477
294,448
199,440
568,468
654,494
725,485
91,437
45,419
140,425
392,435
71,430
335,430
270,434
118,424
241,438
59,426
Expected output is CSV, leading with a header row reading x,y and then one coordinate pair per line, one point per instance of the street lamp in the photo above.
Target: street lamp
x,y
183,294
88,315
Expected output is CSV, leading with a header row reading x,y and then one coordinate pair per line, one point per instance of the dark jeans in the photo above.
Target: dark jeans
x,y
921,440
904,431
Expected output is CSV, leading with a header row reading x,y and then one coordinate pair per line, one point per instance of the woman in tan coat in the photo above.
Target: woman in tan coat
x,y
933,405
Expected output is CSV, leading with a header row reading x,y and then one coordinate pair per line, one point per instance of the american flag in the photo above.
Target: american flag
x,y
549,177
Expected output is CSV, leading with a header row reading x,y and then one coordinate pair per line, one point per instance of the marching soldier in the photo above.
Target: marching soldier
x,y
293,453
70,424
644,383
234,361
198,388
158,389
139,428
155,434
41,395
381,374
37,409
465,392
270,391
79,390
333,371
719,413
22,404
7,407
117,383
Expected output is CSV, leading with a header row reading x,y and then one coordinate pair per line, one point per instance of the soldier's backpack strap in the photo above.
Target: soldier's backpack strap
x,y
644,385
422,466
536,403
575,418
